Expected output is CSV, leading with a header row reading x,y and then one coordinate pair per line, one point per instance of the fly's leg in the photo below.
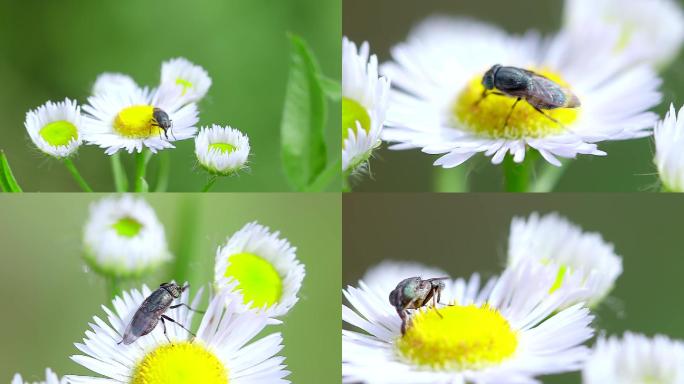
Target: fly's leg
x,y
402,315
511,111
172,135
548,117
186,306
164,326
486,93
435,301
179,324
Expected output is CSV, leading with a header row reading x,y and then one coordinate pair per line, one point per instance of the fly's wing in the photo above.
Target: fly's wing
x,y
145,318
545,93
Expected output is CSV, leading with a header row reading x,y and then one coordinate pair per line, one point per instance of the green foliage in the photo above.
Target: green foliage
x,y
303,147
7,181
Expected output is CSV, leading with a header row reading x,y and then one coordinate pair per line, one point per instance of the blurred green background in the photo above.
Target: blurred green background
x,y
467,233
50,50
384,23
49,298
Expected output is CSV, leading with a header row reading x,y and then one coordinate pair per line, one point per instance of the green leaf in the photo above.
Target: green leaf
x,y
326,177
331,87
302,141
7,181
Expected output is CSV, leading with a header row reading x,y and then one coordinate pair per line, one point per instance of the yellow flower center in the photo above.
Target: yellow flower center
x,y
59,133
180,363
127,227
487,117
136,122
222,147
185,84
258,280
352,112
463,337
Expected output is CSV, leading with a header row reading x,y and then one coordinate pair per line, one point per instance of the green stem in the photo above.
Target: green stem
x,y
141,160
164,170
548,178
114,286
210,183
120,179
7,181
77,176
517,176
451,180
187,229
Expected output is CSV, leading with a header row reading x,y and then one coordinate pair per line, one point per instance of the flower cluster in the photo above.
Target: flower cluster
x,y
257,281
121,115
533,319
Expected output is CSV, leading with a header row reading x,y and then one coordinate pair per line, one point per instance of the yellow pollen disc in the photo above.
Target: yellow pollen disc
x,y
59,133
127,227
222,147
180,363
185,84
258,280
352,112
488,117
136,122
465,337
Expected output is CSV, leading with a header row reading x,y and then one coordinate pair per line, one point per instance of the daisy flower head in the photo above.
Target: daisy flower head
x,y
191,80
128,118
262,268
439,103
222,150
640,24
509,330
123,237
669,138
364,102
222,352
50,378
113,82
554,241
635,359
56,128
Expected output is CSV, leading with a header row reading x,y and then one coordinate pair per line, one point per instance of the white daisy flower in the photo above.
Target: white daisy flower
x,y
669,138
123,237
190,79
56,128
219,354
508,331
437,103
553,240
640,24
261,267
50,378
364,102
387,274
125,120
114,82
221,150
635,359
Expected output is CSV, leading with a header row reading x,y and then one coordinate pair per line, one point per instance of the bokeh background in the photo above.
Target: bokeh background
x,y
384,23
50,50
468,233
49,298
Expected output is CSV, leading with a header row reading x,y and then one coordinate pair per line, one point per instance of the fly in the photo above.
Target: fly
x,y
414,293
151,311
537,90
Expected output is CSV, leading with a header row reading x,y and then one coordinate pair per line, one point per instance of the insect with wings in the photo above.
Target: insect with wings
x,y
152,310
537,90
414,293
